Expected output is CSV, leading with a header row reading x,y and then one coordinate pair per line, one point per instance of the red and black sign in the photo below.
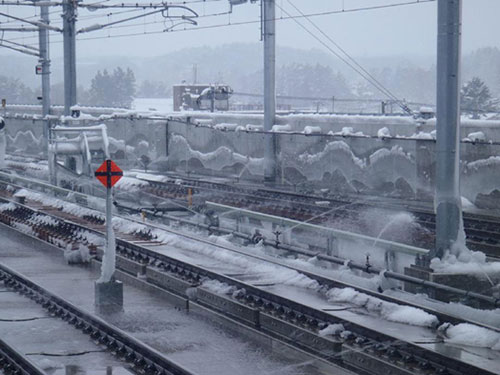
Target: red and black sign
x,y
108,173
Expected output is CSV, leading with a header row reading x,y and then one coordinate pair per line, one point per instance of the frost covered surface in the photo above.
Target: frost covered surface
x,y
387,310
470,335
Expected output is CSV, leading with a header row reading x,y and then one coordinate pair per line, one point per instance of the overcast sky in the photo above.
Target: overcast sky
x,y
403,30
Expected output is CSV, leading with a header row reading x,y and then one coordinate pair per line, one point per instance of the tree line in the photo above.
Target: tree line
x,y
118,88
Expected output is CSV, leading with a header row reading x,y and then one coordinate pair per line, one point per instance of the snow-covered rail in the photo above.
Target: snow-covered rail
x,y
354,344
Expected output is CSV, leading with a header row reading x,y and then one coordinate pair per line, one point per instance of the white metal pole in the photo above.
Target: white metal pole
x,y
448,203
269,36
69,45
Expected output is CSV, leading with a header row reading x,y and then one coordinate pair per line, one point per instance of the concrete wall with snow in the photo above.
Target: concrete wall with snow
x,y
382,155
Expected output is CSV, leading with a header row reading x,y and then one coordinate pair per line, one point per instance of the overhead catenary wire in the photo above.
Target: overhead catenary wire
x,y
241,23
349,57
348,61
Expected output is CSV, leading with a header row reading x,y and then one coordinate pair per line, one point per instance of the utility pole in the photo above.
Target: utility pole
x,y
269,36
43,39
448,204
69,34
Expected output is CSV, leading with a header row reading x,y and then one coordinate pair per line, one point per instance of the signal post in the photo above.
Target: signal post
x,y
108,291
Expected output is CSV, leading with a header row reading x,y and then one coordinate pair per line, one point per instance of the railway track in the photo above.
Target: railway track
x,y
13,362
344,213
142,358
363,349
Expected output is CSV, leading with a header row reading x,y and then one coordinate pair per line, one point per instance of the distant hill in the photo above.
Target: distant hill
x,y
239,65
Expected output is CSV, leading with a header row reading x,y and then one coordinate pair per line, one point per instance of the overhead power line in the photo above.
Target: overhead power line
x,y
346,58
242,23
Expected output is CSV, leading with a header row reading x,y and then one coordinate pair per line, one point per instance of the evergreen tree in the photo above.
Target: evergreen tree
x,y
476,98
113,90
15,92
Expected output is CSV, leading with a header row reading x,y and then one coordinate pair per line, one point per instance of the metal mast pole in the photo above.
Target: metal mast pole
x,y
43,38
269,36
448,204
69,33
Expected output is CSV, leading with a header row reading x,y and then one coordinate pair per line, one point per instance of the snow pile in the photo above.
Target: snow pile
x,y
254,128
67,207
347,131
424,135
331,329
128,227
467,204
76,256
130,184
281,128
225,127
462,260
492,161
470,335
274,274
217,287
312,130
387,310
383,133
7,207
474,137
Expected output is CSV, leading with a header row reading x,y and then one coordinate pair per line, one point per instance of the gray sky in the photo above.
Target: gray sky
x,y
404,30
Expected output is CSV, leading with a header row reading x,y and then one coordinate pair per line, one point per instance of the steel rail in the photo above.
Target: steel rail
x,y
491,301
304,316
12,361
145,359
